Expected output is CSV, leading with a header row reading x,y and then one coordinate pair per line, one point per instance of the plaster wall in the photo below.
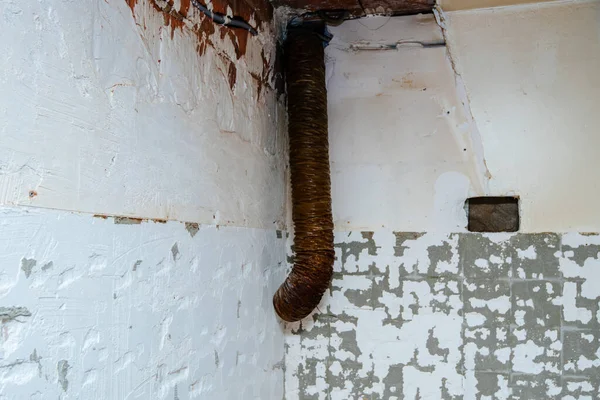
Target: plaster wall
x,y
142,193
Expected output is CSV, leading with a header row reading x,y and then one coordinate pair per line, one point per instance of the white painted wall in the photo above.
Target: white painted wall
x,y
142,311
105,111
531,74
518,119
404,151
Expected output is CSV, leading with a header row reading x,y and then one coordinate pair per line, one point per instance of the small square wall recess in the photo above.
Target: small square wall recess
x,y
493,214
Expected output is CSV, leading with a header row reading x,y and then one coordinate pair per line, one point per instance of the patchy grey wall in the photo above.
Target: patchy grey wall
x,y
453,316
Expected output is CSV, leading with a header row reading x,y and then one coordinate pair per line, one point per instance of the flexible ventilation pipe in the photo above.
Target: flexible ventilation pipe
x,y
309,164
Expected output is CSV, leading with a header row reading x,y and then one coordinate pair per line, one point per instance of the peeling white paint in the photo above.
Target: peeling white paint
x,y
524,358
571,311
131,320
528,253
396,327
500,304
474,319
589,270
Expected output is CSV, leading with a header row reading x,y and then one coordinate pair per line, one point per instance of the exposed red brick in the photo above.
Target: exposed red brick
x,y
203,32
261,10
232,75
173,18
185,7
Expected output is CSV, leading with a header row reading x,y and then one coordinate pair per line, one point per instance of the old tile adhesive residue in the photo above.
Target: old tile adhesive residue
x,y
453,316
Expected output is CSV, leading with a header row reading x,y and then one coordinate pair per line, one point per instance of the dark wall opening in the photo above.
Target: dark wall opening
x,y
493,214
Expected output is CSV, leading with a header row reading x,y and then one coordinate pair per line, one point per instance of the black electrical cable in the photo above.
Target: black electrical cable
x,y
222,19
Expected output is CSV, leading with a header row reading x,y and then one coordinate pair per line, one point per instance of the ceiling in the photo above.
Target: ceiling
x,y
362,7
396,7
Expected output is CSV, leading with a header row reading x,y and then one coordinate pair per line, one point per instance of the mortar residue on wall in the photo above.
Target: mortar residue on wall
x,y
453,316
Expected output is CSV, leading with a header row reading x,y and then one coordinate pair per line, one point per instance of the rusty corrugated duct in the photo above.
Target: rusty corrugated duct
x,y
310,177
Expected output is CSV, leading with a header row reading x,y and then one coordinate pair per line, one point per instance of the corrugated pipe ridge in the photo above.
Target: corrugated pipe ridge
x,y
311,275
